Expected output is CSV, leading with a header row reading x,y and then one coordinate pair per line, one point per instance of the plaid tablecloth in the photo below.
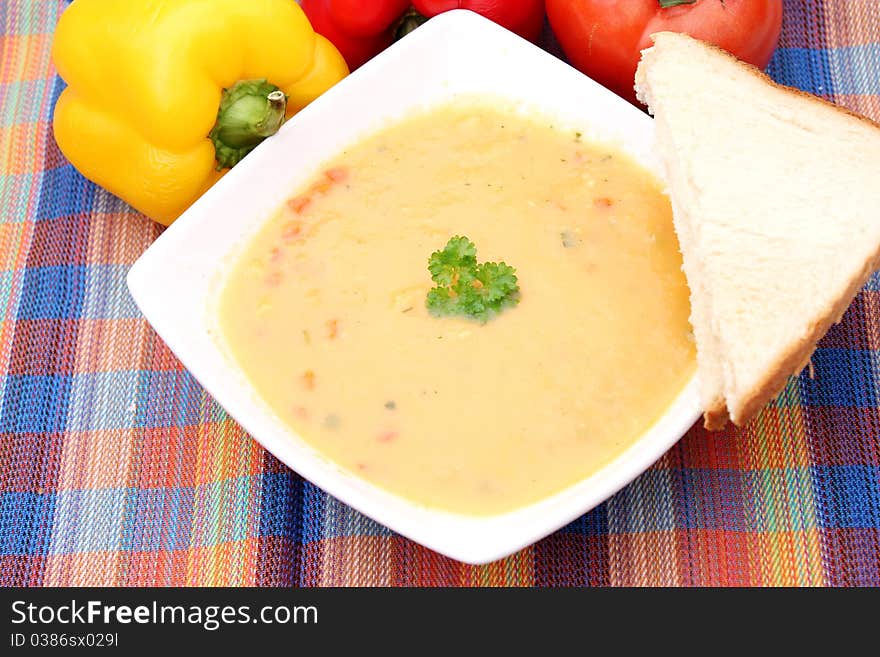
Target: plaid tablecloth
x,y
116,468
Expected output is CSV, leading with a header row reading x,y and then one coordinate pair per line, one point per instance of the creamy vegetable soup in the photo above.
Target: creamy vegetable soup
x,y
326,310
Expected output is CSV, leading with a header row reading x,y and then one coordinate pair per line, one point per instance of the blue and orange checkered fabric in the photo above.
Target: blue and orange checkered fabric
x,y
116,468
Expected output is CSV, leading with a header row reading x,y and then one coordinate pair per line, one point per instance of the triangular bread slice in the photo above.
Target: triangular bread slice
x,y
776,203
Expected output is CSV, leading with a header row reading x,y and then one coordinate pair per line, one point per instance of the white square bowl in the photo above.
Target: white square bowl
x,y
176,281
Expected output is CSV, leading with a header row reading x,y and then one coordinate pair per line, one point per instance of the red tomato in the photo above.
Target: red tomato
x,y
604,38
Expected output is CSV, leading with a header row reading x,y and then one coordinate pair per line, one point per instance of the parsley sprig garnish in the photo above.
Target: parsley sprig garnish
x,y
467,288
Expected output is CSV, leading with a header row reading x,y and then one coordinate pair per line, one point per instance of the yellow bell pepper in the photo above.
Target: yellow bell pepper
x,y
164,95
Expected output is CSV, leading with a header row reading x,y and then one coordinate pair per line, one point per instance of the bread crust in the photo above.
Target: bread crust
x,y
715,417
794,358
754,70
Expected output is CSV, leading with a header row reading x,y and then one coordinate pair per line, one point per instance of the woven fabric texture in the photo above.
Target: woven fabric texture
x,y
116,468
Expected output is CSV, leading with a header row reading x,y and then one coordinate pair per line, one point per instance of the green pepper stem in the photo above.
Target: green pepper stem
x,y
665,4
250,111
407,23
